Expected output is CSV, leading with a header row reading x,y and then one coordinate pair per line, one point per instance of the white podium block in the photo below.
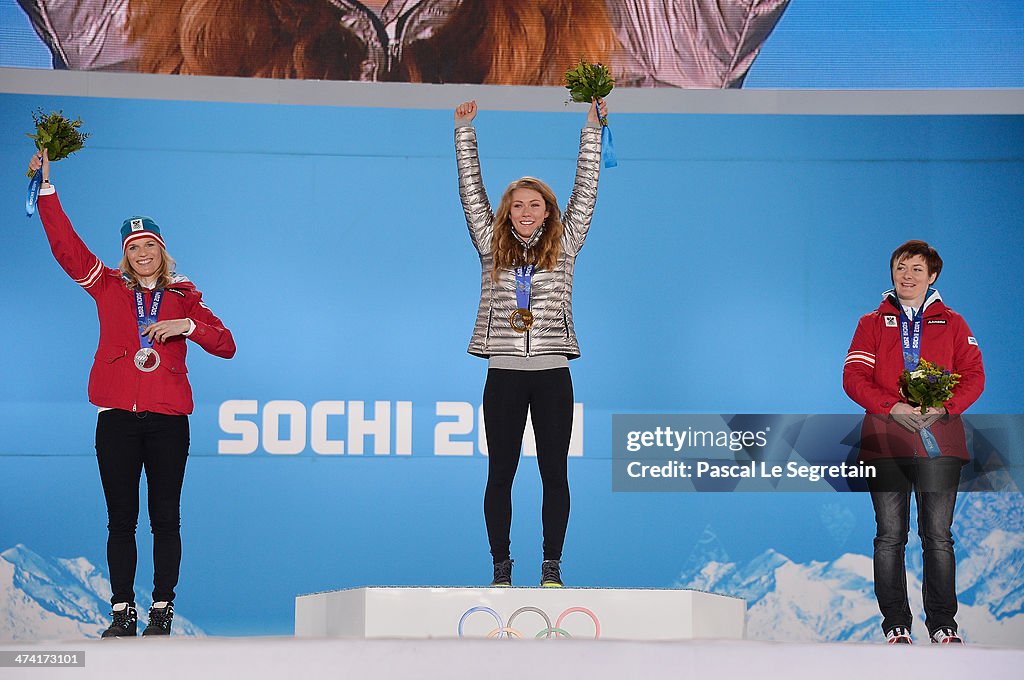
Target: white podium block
x,y
581,613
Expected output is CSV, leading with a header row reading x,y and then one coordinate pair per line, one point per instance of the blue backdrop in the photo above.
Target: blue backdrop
x,y
728,262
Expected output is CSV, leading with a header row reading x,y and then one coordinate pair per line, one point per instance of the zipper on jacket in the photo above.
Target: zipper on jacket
x,y
526,259
138,386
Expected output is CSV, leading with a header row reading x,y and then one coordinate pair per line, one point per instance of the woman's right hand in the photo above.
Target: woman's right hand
x,y
598,112
906,416
465,113
40,160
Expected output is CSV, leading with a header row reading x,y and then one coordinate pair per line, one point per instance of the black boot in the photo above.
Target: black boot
x,y
502,574
551,574
125,622
160,615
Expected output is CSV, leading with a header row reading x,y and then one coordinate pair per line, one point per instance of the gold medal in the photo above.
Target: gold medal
x,y
521,320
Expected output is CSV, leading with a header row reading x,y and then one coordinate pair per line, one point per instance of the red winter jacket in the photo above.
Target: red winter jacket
x,y
114,381
871,376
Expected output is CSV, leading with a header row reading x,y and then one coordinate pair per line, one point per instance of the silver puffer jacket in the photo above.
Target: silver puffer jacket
x,y
551,294
676,43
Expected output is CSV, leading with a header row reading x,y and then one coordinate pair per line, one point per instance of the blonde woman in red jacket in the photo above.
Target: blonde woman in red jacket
x,y
139,382
913,452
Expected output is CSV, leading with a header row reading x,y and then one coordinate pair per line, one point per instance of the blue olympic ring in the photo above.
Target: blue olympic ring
x,y
480,609
549,631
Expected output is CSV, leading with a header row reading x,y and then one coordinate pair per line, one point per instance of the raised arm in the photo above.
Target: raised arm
x,y
694,43
71,253
580,208
479,217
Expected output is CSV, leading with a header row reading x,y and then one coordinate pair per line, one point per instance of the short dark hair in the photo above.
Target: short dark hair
x,y
912,248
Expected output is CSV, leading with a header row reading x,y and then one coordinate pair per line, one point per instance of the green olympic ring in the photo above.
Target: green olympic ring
x,y
548,631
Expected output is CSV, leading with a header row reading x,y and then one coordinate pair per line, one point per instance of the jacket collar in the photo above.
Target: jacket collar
x,y
931,298
533,239
386,35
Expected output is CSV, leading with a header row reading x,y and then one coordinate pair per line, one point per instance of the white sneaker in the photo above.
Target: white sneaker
x,y
900,635
946,636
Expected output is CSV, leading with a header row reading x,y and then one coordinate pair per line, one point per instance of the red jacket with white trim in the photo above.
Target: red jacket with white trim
x,y
114,381
874,363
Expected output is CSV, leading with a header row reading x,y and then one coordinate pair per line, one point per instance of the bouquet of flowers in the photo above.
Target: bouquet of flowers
x,y
928,385
58,135
587,82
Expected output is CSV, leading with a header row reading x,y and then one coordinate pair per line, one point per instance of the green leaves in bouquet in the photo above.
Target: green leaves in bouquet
x,y
918,394
60,136
929,385
587,82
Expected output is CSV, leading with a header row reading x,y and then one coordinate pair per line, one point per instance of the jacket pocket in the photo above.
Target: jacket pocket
x,y
176,367
110,353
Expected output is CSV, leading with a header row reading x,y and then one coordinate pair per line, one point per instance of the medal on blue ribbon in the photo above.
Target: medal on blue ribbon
x,y
33,193
147,358
522,318
910,335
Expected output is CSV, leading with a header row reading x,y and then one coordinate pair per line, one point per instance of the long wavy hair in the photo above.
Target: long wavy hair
x,y
508,252
526,42
164,276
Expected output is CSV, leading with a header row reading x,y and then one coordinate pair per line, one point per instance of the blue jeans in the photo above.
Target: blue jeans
x,y
934,483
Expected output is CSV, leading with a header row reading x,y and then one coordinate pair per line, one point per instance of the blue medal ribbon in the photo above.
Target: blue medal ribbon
x,y
608,147
524,282
33,192
911,338
910,334
931,446
145,319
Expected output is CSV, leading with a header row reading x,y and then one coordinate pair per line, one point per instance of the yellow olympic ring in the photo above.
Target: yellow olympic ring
x,y
508,632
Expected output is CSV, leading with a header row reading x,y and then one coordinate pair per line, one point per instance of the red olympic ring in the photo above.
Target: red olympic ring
x,y
581,610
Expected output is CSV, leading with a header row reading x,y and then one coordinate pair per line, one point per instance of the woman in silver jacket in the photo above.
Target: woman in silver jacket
x,y
524,329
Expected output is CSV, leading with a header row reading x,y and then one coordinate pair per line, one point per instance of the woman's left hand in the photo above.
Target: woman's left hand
x,y
162,331
598,110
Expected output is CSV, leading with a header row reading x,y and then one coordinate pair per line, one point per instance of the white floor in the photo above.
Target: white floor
x,y
294,658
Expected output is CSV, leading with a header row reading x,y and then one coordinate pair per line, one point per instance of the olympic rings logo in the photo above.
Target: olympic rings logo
x,y
549,631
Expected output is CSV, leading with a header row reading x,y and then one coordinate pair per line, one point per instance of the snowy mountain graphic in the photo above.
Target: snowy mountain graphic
x,y
60,599
834,600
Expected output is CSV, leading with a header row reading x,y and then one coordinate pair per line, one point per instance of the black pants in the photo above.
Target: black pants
x,y
507,396
933,481
126,443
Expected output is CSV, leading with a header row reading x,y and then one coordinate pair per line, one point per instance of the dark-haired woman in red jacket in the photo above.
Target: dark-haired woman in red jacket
x,y
913,452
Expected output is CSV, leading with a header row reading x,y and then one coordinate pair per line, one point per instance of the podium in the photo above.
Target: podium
x,y
520,613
